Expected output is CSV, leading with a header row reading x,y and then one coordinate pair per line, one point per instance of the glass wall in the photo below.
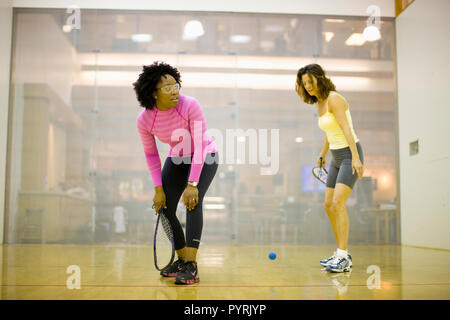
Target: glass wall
x,y
76,168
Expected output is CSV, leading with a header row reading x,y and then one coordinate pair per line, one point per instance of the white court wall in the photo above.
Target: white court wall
x,y
423,62
5,63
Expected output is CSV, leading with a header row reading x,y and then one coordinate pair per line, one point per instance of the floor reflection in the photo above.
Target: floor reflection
x,y
340,281
226,273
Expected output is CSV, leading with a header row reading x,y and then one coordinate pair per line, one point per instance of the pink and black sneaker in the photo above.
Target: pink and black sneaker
x,y
188,274
173,269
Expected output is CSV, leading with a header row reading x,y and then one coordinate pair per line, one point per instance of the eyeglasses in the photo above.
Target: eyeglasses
x,y
169,89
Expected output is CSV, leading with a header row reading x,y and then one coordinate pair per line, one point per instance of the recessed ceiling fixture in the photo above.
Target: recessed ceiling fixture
x,y
240,38
67,28
328,36
192,30
141,37
335,20
356,39
371,33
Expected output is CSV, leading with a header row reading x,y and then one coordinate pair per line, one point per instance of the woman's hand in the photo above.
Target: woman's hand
x,y
159,200
319,164
190,197
358,167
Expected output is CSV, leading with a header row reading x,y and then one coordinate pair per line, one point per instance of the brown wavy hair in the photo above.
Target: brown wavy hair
x,y
324,84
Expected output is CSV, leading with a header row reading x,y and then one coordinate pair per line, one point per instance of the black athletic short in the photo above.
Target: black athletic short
x,y
340,170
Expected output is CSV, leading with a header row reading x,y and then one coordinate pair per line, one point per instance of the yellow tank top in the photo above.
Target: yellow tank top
x,y
335,134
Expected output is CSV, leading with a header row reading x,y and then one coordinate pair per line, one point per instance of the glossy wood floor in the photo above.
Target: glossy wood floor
x,y
226,272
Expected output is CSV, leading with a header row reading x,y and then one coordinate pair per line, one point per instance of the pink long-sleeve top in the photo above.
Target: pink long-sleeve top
x,y
183,128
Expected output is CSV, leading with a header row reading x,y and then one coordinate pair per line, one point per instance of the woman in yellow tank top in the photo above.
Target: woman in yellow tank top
x,y
347,162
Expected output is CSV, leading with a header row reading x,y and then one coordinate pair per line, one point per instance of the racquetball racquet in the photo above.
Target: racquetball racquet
x,y
163,244
320,173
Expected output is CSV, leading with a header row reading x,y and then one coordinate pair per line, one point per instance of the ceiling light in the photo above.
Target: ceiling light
x,y
371,33
141,37
214,199
335,20
356,39
299,140
240,38
192,30
214,206
67,28
274,28
328,36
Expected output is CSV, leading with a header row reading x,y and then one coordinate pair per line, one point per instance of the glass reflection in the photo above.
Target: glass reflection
x,y
76,171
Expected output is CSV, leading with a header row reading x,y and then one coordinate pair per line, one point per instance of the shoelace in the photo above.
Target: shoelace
x,y
332,257
336,260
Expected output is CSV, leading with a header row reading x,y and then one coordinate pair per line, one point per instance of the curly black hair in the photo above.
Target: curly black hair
x,y
145,85
324,84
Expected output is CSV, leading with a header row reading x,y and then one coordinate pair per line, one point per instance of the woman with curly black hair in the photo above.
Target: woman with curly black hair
x,y
190,167
347,163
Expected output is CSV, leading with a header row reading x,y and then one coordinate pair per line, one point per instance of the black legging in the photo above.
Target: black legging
x,y
175,174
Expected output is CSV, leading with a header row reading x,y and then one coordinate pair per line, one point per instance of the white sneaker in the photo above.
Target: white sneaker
x,y
325,262
340,264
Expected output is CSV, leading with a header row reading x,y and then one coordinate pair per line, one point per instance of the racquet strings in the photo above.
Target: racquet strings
x,y
320,173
